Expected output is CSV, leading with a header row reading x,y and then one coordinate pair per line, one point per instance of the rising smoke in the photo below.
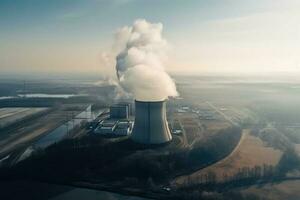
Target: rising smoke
x,y
140,65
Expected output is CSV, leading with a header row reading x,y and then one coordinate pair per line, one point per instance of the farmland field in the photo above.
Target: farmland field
x,y
278,191
250,152
14,114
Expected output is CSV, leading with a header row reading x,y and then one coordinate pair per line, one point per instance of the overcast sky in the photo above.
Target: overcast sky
x,y
76,36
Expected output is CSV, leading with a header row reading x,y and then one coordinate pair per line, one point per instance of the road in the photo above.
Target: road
x,y
185,141
221,113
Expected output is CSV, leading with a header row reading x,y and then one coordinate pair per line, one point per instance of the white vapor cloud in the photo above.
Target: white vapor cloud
x,y
140,65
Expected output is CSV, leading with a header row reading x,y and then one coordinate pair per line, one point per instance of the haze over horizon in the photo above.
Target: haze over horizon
x,y
229,36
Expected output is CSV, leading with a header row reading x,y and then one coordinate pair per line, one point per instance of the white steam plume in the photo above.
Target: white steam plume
x,y
139,66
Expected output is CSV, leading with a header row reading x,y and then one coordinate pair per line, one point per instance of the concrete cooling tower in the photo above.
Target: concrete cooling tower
x,y
151,126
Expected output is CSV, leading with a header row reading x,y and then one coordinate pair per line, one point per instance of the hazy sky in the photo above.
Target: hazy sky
x,y
205,35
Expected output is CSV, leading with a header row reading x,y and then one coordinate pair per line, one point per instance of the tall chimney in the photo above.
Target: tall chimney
x,y
151,126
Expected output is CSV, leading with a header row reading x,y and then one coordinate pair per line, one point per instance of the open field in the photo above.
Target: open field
x,y
197,120
23,135
191,126
277,191
197,129
14,114
250,152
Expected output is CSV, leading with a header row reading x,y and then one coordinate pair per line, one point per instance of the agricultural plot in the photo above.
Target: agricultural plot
x,y
276,191
11,115
191,126
250,152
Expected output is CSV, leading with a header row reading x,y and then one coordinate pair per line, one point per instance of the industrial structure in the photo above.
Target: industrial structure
x,y
118,122
151,126
114,127
121,110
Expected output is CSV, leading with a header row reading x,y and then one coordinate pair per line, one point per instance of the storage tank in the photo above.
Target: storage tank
x,y
151,126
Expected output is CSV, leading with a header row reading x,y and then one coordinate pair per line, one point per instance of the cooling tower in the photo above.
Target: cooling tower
x,y
150,126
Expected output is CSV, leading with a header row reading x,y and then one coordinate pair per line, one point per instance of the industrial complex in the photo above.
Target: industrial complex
x,y
144,144
117,123
150,125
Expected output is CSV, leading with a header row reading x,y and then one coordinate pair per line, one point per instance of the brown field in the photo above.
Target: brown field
x,y
250,152
33,129
284,190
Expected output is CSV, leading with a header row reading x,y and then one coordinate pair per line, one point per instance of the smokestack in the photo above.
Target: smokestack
x,y
151,126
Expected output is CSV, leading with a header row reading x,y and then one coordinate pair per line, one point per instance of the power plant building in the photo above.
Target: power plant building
x,y
151,126
120,111
118,122
112,127
123,128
